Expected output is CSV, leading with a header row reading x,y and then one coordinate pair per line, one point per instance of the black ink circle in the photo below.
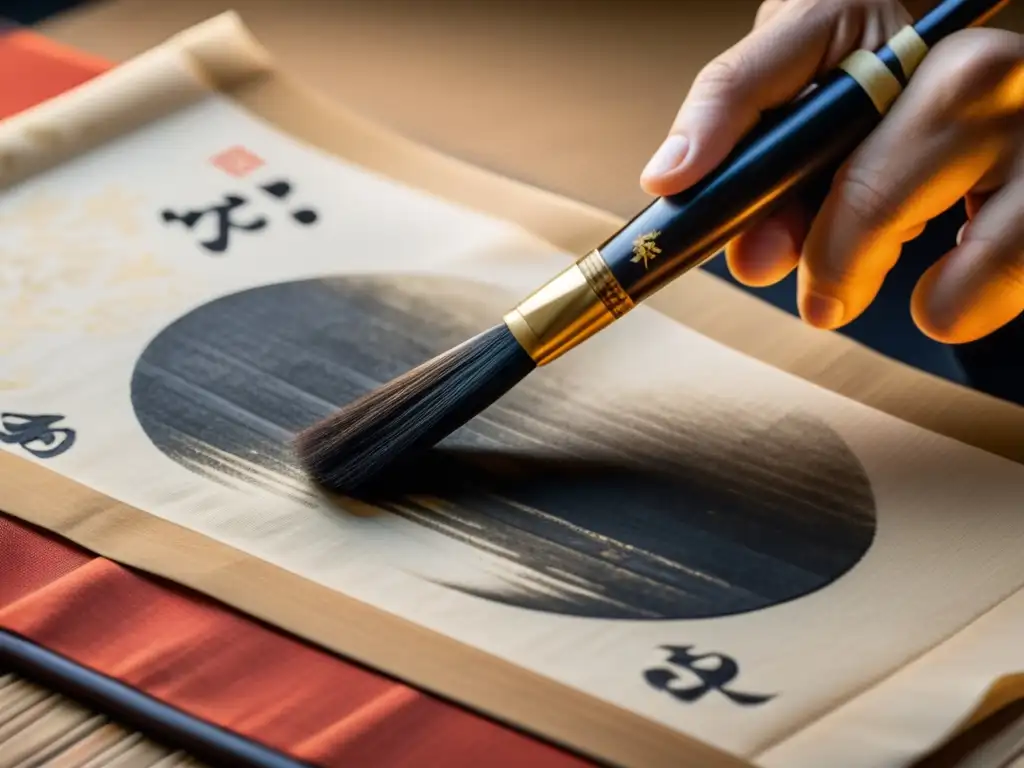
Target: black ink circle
x,y
662,509
305,216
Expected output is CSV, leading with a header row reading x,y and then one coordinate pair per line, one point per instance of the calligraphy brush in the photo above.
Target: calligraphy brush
x,y
797,146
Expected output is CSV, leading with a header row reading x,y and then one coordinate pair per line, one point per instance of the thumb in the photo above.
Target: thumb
x,y
788,48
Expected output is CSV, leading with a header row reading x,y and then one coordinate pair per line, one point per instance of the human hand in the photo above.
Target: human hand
x,y
957,131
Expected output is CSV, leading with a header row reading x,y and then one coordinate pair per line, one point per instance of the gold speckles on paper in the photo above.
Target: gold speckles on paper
x,y
118,209
143,267
72,267
17,380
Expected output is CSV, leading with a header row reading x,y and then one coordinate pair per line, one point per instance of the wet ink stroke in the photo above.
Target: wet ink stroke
x,y
671,509
681,658
36,434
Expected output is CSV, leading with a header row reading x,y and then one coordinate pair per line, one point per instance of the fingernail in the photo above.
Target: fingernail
x,y
960,234
670,155
823,311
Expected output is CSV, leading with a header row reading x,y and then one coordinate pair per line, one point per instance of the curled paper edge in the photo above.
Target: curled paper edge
x,y
216,55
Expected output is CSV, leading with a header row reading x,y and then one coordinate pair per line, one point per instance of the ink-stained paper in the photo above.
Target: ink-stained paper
x,y
655,520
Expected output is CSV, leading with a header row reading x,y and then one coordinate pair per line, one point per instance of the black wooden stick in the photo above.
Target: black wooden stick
x,y
165,724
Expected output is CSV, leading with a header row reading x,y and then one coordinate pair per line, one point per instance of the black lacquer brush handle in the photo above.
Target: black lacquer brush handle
x,y
791,152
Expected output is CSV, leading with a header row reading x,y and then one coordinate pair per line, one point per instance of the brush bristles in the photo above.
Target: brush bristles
x,y
356,446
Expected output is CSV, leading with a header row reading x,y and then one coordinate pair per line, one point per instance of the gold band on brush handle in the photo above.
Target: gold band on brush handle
x,y
568,310
909,48
874,77
881,85
586,297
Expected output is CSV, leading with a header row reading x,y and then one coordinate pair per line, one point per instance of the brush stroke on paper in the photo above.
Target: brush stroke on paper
x,y
589,506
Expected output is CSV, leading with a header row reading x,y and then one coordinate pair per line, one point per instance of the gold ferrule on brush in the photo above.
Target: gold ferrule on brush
x,y
568,309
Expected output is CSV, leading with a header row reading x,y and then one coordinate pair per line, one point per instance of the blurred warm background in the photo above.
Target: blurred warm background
x,y
570,95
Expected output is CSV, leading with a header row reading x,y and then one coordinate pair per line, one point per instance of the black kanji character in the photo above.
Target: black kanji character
x,y
36,434
680,657
218,244
281,189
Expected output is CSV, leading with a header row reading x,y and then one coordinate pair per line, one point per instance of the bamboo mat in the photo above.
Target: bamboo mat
x,y
42,729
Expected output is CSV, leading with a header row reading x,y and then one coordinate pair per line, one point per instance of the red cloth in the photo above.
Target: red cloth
x,y
197,655
33,69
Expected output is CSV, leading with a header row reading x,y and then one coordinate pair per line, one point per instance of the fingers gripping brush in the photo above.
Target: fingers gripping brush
x,y
795,149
